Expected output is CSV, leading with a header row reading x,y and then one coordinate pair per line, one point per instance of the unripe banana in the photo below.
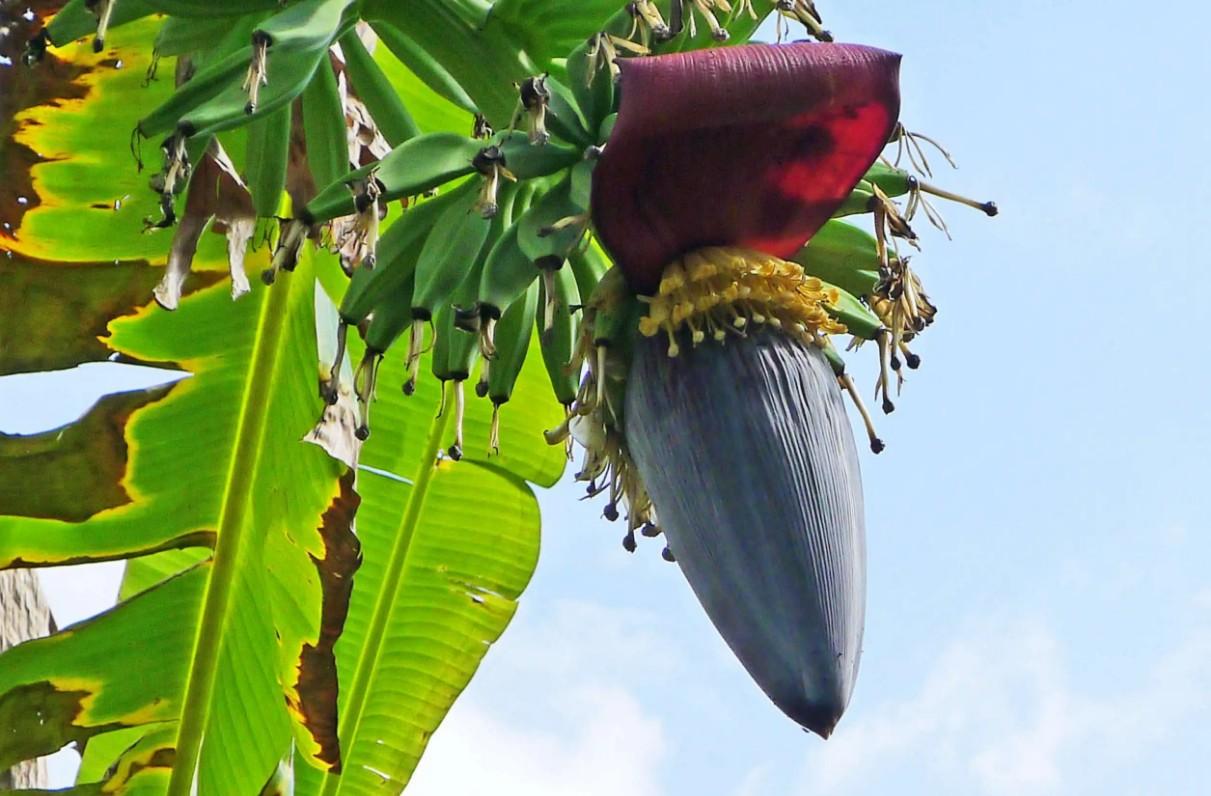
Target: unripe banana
x,y
195,37
413,167
76,20
391,317
589,264
513,333
397,254
428,69
563,117
304,25
221,73
229,108
891,180
558,339
527,162
507,273
376,91
456,350
268,153
858,319
449,257
324,127
454,355
860,200
591,83
580,182
553,227
210,8
844,255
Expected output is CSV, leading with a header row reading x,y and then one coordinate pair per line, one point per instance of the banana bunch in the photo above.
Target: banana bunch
x,y
493,221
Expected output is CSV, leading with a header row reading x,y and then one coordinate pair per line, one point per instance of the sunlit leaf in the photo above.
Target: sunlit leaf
x,y
215,465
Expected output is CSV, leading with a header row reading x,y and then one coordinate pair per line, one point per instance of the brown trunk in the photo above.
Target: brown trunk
x,y
24,614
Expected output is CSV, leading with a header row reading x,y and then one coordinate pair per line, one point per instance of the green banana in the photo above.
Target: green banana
x,y
550,105
891,180
209,8
860,200
858,319
455,350
324,127
305,25
558,333
449,256
78,19
580,182
268,152
392,316
553,227
206,83
526,162
615,323
454,355
565,117
231,107
214,99
844,255
390,319
398,251
388,288
422,64
513,333
413,167
588,264
187,36
376,91
593,90
507,273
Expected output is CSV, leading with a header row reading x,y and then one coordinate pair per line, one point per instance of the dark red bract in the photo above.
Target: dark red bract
x,y
753,146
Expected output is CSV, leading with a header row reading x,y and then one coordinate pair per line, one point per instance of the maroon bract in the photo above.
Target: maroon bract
x,y
753,146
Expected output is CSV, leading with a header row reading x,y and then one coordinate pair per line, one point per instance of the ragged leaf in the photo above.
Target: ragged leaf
x,y
76,683
216,468
74,472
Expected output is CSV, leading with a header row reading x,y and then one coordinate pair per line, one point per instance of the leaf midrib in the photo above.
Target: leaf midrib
x,y
250,432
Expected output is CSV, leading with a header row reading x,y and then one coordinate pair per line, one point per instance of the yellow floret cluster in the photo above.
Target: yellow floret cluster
x,y
717,291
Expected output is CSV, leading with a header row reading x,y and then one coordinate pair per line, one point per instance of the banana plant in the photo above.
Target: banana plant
x,y
620,222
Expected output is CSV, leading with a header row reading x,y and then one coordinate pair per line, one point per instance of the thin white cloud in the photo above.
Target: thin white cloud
x,y
595,739
1003,712
614,748
754,783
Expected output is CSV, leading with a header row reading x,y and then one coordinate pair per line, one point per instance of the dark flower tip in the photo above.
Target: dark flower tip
x,y
753,146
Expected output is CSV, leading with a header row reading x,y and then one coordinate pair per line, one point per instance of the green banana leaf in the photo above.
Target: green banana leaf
x,y
245,619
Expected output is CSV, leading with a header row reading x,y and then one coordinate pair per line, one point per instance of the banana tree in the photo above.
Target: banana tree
x,y
621,224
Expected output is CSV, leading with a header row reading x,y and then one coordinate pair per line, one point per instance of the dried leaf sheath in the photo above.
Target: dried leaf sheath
x,y
749,459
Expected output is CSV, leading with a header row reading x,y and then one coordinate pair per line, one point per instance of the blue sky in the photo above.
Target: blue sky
x,y
1039,613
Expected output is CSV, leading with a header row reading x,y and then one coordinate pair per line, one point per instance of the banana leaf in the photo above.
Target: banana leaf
x,y
259,622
